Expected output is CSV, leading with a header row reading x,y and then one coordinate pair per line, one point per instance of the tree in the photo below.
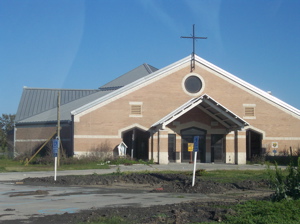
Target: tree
x,y
6,125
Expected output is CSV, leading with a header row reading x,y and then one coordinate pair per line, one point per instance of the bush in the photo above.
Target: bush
x,y
283,160
286,186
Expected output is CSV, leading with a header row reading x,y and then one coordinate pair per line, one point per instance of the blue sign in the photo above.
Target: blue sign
x,y
55,145
196,143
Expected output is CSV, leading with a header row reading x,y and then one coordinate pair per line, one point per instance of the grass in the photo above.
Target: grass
x,y
8,165
227,176
266,212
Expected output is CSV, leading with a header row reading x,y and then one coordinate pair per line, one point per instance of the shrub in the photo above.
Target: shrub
x,y
286,186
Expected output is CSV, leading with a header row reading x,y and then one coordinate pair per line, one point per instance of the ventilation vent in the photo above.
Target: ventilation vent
x,y
249,112
135,109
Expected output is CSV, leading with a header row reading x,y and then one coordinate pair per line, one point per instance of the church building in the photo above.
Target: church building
x,y
158,112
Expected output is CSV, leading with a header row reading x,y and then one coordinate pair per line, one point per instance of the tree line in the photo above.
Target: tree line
x,y
6,126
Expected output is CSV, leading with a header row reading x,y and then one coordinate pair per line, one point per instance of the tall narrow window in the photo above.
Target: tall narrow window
x,y
135,109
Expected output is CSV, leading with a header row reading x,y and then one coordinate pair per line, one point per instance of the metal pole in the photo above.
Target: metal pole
x,y
58,127
194,171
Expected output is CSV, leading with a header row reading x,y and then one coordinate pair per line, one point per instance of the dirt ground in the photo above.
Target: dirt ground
x,y
221,198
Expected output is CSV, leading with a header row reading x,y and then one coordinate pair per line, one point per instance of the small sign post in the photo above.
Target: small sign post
x,y
191,149
55,145
196,149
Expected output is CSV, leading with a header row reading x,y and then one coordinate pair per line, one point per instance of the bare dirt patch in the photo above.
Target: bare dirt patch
x,y
221,198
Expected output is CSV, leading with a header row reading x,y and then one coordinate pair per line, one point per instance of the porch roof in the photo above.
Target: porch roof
x,y
210,106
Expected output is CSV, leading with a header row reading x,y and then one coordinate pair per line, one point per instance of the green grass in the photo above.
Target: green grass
x,y
229,176
8,165
266,212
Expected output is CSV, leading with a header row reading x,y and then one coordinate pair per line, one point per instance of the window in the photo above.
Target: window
x,y
193,84
249,111
135,109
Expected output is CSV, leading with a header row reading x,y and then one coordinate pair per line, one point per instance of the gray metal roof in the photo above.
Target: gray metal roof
x,y
40,105
65,115
35,101
137,73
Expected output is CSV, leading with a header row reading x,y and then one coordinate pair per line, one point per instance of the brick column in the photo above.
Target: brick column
x,y
230,146
240,147
178,148
163,157
153,147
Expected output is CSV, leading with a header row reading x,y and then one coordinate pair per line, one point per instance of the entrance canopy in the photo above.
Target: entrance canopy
x,y
214,109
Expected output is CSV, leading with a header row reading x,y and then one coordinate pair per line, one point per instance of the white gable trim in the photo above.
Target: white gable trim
x,y
138,84
235,122
248,87
135,125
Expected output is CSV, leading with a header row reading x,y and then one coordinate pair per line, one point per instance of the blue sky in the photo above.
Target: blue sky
x,y
79,44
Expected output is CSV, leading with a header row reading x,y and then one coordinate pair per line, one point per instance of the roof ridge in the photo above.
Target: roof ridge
x,y
147,67
40,88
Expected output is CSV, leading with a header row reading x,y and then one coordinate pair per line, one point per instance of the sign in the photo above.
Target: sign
x,y
196,143
190,147
55,144
274,145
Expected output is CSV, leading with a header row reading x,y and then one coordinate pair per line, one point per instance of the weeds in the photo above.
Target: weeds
x,y
265,212
286,186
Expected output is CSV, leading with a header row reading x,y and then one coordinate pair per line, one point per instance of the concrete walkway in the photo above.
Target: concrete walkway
x,y
17,176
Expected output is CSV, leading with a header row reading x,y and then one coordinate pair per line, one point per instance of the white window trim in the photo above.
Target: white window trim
x,y
183,86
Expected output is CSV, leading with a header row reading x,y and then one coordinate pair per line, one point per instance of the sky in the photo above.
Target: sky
x,y
83,44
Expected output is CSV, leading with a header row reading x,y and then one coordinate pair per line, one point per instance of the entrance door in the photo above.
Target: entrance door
x,y
254,144
217,148
187,136
137,142
172,147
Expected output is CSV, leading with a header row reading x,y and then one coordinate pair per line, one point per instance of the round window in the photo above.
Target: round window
x,y
193,84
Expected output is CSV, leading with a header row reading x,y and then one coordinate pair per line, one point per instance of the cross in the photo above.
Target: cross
x,y
193,53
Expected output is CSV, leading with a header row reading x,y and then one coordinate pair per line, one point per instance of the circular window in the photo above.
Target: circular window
x,y
193,84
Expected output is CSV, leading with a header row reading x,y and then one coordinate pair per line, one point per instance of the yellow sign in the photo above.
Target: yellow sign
x,y
190,147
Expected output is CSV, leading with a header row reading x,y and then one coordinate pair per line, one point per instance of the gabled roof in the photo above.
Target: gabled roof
x,y
40,105
210,106
37,100
140,82
139,72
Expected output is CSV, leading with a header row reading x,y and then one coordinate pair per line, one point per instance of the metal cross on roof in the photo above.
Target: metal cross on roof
x,y
193,53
